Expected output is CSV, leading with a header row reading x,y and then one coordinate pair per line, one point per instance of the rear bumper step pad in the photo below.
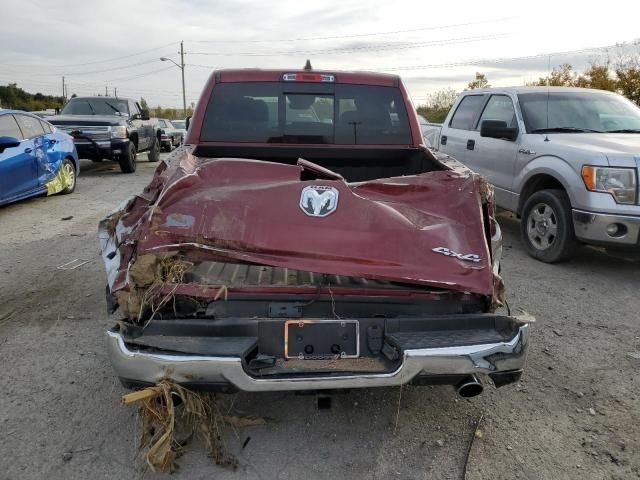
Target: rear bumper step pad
x,y
214,346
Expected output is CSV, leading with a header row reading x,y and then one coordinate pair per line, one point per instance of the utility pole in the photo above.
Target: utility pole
x,y
115,92
184,95
64,90
106,91
181,67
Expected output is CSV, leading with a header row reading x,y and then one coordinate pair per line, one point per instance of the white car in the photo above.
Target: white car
x,y
181,126
170,136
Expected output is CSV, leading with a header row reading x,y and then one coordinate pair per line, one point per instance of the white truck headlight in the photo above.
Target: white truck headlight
x,y
119,131
621,183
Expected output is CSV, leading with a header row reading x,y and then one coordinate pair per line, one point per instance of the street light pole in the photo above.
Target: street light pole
x,y
181,67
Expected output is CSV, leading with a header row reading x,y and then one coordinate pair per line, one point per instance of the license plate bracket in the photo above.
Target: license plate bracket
x,y
321,339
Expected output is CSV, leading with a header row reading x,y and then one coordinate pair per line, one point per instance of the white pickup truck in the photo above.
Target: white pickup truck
x,y
565,160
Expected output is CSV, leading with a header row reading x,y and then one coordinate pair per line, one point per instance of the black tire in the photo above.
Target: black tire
x,y
128,161
70,169
546,227
154,153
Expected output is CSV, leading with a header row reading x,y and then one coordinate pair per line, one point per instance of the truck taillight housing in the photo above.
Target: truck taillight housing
x,y
308,77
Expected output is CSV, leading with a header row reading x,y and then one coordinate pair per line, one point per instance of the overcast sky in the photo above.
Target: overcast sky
x,y
97,44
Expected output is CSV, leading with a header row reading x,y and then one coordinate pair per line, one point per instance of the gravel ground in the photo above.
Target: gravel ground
x,y
574,415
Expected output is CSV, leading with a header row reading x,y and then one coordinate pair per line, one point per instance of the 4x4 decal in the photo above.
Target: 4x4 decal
x,y
469,257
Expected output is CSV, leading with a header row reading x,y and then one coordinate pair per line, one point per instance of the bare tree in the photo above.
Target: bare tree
x,y
479,82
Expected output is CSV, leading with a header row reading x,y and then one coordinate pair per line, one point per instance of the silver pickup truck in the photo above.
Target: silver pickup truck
x,y
565,160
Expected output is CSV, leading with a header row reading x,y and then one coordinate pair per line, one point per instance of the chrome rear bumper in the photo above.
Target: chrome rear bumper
x,y
152,367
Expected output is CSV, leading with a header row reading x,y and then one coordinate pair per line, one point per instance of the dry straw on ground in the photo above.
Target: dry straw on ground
x,y
200,412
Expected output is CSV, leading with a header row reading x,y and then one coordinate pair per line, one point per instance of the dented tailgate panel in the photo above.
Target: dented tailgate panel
x,y
423,229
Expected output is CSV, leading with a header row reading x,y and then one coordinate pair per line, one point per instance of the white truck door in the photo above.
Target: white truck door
x,y
455,133
495,158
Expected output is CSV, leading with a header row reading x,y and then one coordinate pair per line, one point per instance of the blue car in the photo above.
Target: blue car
x,y
35,158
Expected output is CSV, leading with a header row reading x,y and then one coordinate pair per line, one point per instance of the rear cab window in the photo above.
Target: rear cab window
x,y
466,113
306,113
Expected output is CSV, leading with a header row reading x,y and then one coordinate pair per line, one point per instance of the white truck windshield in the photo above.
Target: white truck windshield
x,y
578,112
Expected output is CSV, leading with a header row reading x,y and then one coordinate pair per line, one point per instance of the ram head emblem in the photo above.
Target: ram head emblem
x,y
318,200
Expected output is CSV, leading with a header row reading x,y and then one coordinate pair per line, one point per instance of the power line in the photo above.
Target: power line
x,y
337,37
203,66
132,65
96,84
479,61
98,61
90,85
77,74
463,63
381,47
125,79
31,82
482,61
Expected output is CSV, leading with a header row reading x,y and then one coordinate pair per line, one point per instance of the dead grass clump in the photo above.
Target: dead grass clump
x,y
486,190
166,271
200,412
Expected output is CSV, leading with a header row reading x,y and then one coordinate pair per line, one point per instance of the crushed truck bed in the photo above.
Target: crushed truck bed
x,y
429,230
236,275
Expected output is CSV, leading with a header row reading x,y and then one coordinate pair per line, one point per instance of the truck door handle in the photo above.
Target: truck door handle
x,y
471,144
28,150
443,140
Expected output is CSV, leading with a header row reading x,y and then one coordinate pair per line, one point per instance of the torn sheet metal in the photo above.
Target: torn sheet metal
x,y
249,211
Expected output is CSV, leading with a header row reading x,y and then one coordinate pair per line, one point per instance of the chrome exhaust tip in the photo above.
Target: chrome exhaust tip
x,y
470,387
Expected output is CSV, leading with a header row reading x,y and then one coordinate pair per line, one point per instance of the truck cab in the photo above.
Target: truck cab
x,y
566,160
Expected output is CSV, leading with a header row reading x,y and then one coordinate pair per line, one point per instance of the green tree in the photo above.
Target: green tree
x,y
438,105
628,73
12,96
597,76
169,113
144,104
479,82
562,76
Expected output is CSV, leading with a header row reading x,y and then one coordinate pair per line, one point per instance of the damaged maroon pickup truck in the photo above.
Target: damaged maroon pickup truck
x,y
304,238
